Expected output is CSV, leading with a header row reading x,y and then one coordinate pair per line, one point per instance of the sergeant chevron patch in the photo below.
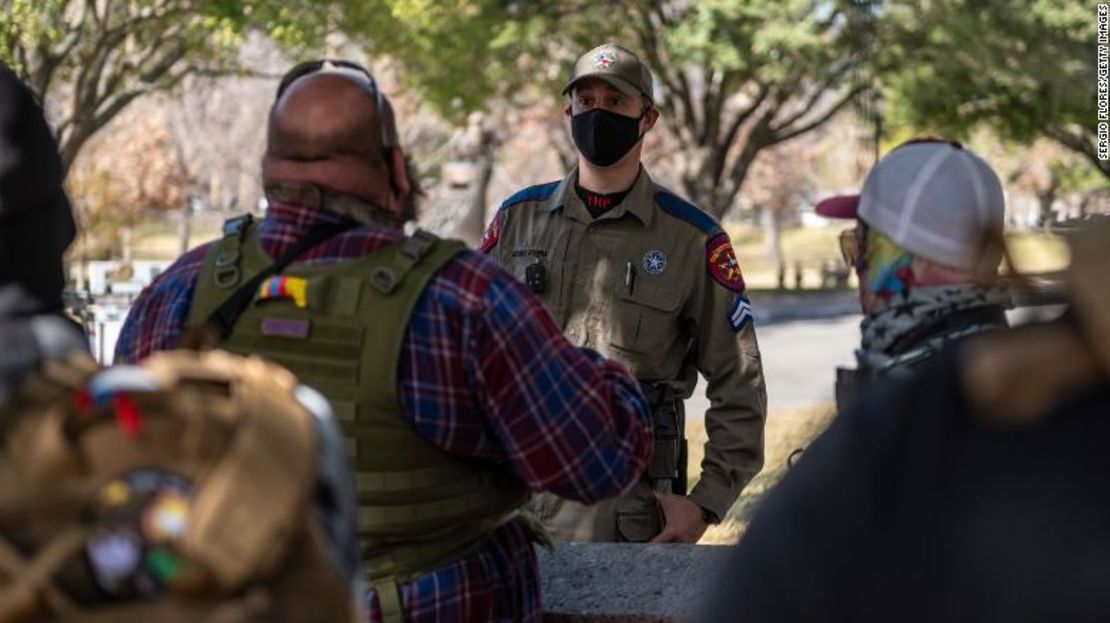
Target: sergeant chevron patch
x,y
740,313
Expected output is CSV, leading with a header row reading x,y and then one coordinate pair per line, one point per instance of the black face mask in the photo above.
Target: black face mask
x,y
604,137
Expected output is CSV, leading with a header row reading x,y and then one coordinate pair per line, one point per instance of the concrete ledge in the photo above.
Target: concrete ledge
x,y
628,583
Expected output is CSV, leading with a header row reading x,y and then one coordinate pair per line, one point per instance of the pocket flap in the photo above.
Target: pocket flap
x,y
654,295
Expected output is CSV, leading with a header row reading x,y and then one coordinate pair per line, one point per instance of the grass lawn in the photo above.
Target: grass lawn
x,y
787,430
1033,252
159,239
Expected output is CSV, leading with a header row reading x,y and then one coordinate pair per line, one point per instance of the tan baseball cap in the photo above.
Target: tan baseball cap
x,y
616,65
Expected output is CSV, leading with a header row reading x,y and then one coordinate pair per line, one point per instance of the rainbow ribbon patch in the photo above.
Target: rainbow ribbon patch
x,y
284,288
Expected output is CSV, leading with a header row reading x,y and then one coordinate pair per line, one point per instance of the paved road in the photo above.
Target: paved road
x,y
798,360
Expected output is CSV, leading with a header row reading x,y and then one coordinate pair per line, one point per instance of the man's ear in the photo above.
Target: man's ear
x,y
651,115
566,109
398,172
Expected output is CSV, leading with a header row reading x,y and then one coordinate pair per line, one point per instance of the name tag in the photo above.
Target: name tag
x,y
285,327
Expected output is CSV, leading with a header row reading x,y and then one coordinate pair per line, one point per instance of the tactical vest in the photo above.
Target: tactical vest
x,y
339,327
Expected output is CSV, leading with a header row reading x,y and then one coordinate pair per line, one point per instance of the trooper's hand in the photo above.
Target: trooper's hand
x,y
684,520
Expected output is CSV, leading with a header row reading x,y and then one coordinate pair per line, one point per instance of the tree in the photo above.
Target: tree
x,y
736,76
740,76
1025,70
88,60
124,175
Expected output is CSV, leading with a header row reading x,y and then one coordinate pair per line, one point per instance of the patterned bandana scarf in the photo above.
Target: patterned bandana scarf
x,y
917,309
902,307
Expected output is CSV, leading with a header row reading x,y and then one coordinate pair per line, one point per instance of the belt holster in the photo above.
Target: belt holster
x,y
667,470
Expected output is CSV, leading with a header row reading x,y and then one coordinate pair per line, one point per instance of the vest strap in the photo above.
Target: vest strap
x,y
413,249
222,320
229,251
389,600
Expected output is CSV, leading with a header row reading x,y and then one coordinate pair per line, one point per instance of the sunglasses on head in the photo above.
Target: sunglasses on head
x,y
350,70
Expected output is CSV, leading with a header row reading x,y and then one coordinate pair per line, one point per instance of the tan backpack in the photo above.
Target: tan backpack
x,y
178,490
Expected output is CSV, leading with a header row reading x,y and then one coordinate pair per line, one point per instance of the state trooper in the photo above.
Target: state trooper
x,y
631,269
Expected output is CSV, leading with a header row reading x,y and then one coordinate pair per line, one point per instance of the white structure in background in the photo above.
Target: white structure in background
x,y
114,277
104,325
112,287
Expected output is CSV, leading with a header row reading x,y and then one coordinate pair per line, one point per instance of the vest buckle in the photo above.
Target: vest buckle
x,y
227,276
418,245
384,279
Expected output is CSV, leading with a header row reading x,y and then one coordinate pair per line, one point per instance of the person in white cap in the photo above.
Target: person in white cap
x,y
926,247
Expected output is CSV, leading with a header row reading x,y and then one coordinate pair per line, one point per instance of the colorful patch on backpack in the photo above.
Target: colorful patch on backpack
x,y
282,287
132,513
492,233
722,264
740,313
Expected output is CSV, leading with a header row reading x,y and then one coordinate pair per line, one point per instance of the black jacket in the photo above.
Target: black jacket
x,y
908,509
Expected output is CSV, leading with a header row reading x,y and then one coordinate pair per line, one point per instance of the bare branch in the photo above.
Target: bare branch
x,y
828,114
744,115
1080,144
833,78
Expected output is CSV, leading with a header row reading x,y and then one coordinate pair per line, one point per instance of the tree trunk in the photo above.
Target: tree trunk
x,y
184,226
772,241
472,224
1046,199
125,243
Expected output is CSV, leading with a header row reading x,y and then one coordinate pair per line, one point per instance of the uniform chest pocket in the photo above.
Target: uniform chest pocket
x,y
644,318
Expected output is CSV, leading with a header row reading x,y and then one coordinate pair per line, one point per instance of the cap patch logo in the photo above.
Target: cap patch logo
x,y
604,59
655,262
722,264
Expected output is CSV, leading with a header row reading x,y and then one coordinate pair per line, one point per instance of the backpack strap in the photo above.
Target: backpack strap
x,y
31,579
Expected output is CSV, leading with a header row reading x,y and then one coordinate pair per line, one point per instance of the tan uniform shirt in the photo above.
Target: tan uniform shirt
x,y
653,284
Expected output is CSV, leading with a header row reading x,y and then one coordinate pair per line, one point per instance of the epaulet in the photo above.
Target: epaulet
x,y
539,192
685,211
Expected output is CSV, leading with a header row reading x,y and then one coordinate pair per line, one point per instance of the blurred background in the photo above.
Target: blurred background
x,y
159,108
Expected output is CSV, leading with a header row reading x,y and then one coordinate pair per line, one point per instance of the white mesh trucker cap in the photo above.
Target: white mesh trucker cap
x,y
933,198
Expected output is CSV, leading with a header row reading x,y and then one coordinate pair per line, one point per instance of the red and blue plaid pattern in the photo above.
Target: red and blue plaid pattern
x,y
484,373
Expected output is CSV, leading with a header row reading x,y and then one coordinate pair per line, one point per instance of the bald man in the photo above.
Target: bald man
x,y
419,344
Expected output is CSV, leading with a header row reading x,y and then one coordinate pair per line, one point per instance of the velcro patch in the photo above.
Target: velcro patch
x,y
722,264
286,327
740,313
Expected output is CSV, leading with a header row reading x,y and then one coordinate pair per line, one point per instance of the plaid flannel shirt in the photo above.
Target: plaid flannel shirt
x,y
484,373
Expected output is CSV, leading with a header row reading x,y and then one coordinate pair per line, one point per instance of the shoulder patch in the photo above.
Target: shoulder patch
x,y
740,313
538,192
721,261
686,211
492,233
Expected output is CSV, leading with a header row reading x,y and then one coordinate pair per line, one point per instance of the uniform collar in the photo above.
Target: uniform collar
x,y
640,200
